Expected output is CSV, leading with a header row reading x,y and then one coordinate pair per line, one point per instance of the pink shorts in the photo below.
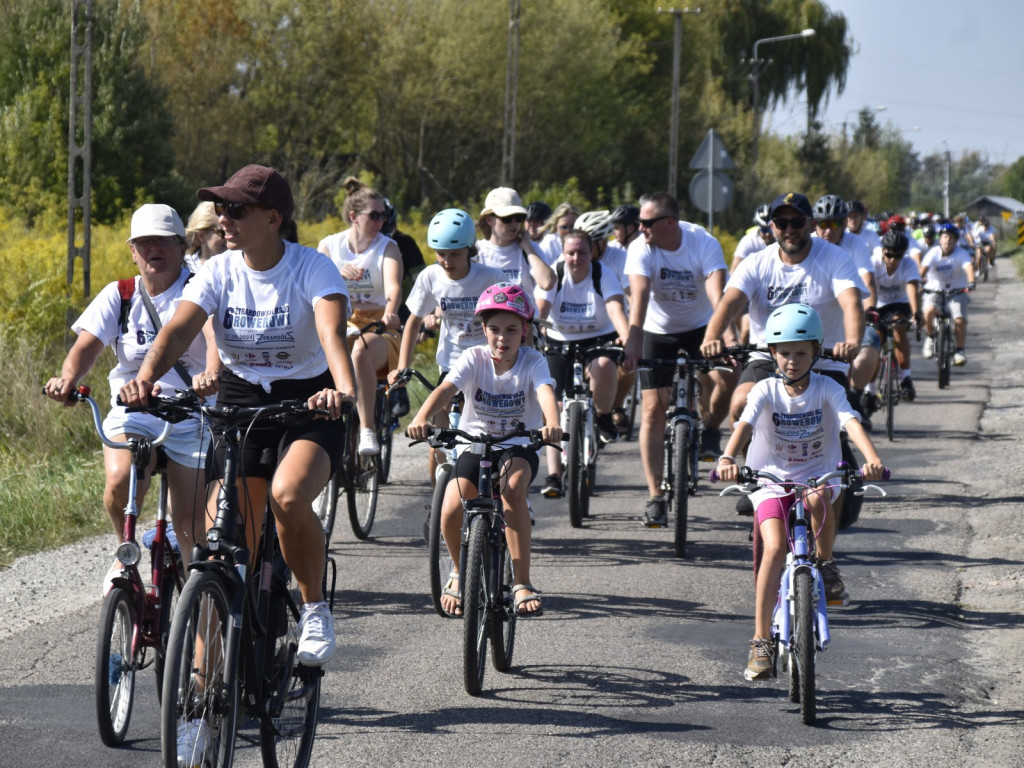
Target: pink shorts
x,y
771,503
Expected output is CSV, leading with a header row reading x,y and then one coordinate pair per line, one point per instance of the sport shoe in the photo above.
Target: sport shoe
x,y
959,358
552,487
928,350
193,741
529,509
868,403
760,660
711,443
907,391
316,635
654,512
368,445
606,431
621,421
835,590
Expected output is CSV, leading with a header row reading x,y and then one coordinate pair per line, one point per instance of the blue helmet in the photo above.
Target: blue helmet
x,y
450,229
794,322
949,228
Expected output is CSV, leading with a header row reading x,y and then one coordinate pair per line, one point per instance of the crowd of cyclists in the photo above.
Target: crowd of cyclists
x,y
235,307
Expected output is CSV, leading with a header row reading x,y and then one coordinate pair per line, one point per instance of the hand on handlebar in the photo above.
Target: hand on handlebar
x,y
206,383
551,434
728,472
873,471
845,351
135,393
331,400
712,348
419,430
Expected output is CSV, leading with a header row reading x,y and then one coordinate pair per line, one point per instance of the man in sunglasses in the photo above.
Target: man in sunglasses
x,y
805,270
856,222
676,274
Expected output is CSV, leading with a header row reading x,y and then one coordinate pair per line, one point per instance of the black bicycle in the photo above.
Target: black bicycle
x,y
945,339
889,384
358,477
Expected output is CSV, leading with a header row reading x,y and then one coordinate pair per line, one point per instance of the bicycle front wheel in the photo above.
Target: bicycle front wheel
x,y
361,491
503,616
474,607
890,391
170,591
199,710
115,666
575,465
944,354
803,644
440,561
680,482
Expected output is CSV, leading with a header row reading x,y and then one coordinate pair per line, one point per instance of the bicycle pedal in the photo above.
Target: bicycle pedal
x,y
839,601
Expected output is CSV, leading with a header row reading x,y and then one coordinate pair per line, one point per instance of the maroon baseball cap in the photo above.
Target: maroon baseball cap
x,y
254,185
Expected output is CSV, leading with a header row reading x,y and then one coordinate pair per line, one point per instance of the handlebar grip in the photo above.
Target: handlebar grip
x,y
886,473
713,476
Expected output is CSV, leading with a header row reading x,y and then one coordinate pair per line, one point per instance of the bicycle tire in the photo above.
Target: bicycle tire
x,y
575,465
889,387
474,607
849,510
386,440
630,406
288,731
680,483
440,561
803,639
326,504
170,591
362,489
503,615
789,666
202,608
115,666
944,355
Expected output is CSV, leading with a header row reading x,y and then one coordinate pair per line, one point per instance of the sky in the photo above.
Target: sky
x,y
943,70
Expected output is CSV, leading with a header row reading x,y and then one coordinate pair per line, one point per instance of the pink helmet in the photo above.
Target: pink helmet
x,y
506,297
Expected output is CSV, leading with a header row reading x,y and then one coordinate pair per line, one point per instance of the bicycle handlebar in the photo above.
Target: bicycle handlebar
x,y
850,476
82,395
187,403
447,437
408,374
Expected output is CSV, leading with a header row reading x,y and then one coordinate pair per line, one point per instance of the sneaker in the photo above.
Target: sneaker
x,y
368,445
760,660
552,487
959,358
711,443
868,403
907,391
193,741
835,590
654,512
621,421
928,350
529,508
113,573
606,431
316,635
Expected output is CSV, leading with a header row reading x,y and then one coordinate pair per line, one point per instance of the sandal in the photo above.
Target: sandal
x,y
526,599
448,591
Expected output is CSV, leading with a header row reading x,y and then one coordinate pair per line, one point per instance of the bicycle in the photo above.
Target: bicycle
x,y
486,579
890,390
231,656
945,333
359,477
385,424
800,620
136,616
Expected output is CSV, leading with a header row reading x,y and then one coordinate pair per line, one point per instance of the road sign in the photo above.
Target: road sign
x,y
712,154
1020,232
715,188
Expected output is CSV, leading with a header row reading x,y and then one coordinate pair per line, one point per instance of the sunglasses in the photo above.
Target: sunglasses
x,y
830,224
519,217
892,254
797,222
374,215
234,211
648,223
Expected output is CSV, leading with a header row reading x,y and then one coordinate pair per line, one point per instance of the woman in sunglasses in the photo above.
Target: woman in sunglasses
x,y
508,245
371,264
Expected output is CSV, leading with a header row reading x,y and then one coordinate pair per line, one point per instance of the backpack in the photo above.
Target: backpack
x,y
125,289
595,275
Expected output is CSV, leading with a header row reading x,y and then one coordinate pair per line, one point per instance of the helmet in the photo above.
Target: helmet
x,y
794,322
830,207
897,222
505,297
761,215
949,228
597,224
626,214
894,240
390,218
928,231
450,229
538,211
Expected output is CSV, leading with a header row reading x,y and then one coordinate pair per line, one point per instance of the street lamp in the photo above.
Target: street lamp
x,y
757,66
846,118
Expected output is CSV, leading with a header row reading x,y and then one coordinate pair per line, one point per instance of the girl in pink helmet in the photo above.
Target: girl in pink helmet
x,y
503,381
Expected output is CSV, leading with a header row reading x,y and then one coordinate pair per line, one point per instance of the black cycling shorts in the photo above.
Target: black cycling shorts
x,y
560,356
659,345
468,465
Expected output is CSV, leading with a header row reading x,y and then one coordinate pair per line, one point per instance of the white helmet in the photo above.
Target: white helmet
x,y
597,224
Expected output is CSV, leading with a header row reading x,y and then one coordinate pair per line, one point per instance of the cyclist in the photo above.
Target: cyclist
x,y
203,237
504,381
985,241
537,215
676,275
792,422
583,310
279,312
947,267
899,284
561,220
157,246
508,245
412,256
626,225
856,222
757,238
371,265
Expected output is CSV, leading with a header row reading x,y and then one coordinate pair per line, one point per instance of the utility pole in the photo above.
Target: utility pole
x,y
508,146
673,131
945,185
80,141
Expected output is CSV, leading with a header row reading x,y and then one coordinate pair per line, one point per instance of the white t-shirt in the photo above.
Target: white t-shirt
x,y
857,247
614,260
796,438
983,234
264,320
101,319
749,244
870,236
549,248
577,310
457,299
817,281
511,260
679,301
892,289
368,290
494,402
946,272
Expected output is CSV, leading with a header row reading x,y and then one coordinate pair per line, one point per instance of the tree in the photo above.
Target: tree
x,y
1012,183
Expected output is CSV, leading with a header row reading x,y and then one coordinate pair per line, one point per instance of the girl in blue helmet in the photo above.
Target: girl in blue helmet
x,y
793,422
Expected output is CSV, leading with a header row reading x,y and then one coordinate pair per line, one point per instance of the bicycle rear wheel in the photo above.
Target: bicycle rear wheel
x,y
326,504
890,391
386,440
803,641
575,465
200,698
115,666
944,354
503,615
630,405
363,485
293,690
440,560
474,607
680,482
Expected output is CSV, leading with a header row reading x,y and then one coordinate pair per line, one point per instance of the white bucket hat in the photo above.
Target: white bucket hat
x,y
503,201
156,220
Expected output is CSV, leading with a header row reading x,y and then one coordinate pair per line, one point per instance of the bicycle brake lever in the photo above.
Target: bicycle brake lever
x,y
864,489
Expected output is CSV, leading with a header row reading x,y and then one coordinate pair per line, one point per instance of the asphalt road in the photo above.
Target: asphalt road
x,y
639,657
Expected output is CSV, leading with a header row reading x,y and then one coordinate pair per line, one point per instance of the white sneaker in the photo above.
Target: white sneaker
x,y
368,445
959,358
316,635
928,350
113,573
193,741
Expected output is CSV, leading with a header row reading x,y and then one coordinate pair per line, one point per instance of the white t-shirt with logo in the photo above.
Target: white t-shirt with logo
x,y
457,299
493,402
264,320
679,301
102,319
892,289
511,260
749,244
367,291
946,272
577,311
614,260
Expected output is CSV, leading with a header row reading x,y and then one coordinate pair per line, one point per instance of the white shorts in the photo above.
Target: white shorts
x,y
955,305
185,445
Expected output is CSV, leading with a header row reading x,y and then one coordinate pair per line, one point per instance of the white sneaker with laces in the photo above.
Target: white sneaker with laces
x,y
959,358
928,350
316,635
193,741
368,445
